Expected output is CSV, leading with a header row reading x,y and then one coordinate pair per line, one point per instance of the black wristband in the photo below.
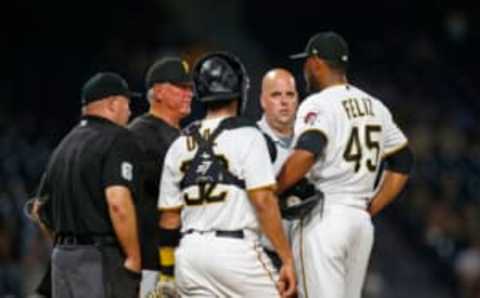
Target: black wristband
x,y
169,237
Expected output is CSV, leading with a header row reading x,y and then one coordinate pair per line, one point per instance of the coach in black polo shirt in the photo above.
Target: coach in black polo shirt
x,y
89,192
169,93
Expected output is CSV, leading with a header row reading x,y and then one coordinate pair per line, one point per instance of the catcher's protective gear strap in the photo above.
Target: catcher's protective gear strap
x,y
313,141
169,237
272,149
401,161
217,172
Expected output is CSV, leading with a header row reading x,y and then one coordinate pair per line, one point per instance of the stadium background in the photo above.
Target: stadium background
x,y
417,56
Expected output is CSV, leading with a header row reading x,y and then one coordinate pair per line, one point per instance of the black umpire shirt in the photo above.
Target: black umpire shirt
x,y
155,137
95,154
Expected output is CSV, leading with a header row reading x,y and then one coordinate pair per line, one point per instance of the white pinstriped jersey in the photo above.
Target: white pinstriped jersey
x,y
246,153
360,131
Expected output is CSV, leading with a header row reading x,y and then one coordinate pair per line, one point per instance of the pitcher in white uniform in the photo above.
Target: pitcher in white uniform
x,y
218,182
342,134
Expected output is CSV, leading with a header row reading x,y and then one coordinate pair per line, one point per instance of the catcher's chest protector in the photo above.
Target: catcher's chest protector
x,y
206,167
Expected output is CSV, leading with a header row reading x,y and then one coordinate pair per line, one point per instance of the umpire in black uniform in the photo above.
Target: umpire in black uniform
x,y
88,193
169,93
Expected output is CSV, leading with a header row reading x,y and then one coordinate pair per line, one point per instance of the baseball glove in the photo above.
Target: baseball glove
x,y
299,200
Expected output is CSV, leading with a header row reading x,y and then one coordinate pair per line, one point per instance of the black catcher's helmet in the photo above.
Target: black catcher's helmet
x,y
220,76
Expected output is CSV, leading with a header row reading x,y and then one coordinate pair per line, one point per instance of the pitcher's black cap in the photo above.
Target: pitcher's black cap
x,y
326,45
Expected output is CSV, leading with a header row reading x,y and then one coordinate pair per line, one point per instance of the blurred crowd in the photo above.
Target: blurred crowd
x,y
24,151
430,86
429,83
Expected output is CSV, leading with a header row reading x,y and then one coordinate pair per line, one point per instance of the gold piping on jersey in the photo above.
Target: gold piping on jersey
x,y
259,258
394,150
174,208
304,278
272,187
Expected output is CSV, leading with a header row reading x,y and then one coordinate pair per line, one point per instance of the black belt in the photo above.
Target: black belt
x,y
238,234
86,240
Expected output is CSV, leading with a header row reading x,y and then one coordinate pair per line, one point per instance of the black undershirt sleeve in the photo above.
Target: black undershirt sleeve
x,y
401,161
313,141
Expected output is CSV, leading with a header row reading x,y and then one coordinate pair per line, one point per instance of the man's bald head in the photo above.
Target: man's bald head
x,y
276,75
279,99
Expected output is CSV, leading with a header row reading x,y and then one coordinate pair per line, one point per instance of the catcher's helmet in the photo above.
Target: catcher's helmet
x,y
220,76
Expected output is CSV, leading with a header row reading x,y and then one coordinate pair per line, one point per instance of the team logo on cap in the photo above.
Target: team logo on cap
x,y
185,66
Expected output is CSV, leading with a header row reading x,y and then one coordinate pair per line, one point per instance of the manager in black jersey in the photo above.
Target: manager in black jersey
x,y
169,93
88,195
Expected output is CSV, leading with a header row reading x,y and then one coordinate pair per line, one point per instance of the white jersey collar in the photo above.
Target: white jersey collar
x,y
335,87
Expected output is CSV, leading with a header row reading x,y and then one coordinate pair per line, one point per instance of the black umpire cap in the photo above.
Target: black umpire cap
x,y
168,70
105,84
326,45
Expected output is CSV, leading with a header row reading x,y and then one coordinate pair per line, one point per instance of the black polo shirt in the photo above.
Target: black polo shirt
x,y
154,137
94,155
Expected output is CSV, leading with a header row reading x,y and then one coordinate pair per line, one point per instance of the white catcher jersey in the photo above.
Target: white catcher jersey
x,y
360,131
246,154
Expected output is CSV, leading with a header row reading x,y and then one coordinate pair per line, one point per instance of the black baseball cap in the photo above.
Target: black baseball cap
x,y
105,84
168,70
326,45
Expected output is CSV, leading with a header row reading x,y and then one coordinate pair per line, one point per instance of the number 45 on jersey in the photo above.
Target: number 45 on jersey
x,y
363,144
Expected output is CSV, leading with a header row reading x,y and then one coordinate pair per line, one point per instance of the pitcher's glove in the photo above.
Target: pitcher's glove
x,y
299,200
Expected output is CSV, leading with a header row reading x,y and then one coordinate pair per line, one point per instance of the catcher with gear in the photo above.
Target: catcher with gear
x,y
222,194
